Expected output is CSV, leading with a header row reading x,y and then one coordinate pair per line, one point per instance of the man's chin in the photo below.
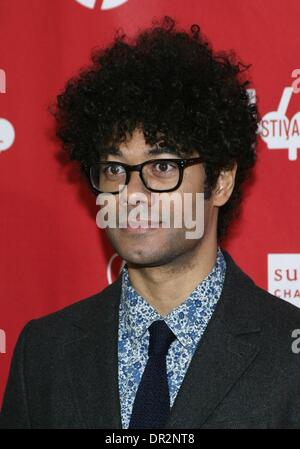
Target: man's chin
x,y
145,252
141,260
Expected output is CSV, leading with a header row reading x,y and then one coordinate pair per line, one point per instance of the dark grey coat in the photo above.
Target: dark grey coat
x,y
244,374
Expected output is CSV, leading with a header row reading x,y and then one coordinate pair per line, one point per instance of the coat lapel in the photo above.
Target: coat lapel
x,y
218,362
221,356
92,363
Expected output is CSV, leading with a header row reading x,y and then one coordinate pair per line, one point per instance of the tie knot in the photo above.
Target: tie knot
x,y
161,337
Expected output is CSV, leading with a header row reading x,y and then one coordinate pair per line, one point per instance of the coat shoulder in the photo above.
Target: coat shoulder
x,y
68,323
277,311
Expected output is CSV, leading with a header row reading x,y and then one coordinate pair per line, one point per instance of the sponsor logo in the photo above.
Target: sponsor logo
x,y
276,129
284,277
105,4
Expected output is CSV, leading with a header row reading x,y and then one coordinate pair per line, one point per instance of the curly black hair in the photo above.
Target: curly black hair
x,y
166,82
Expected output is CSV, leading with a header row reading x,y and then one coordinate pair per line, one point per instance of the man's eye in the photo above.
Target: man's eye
x,y
113,169
164,167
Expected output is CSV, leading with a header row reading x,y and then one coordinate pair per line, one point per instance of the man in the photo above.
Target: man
x,y
183,338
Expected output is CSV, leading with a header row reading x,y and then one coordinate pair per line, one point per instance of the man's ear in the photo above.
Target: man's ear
x,y
224,186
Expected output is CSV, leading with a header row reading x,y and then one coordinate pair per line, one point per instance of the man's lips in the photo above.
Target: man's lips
x,y
140,226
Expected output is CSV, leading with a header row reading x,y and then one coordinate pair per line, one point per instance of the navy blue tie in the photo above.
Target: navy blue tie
x,y
151,406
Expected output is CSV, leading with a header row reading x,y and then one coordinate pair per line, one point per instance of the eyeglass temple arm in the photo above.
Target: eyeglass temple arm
x,y
192,161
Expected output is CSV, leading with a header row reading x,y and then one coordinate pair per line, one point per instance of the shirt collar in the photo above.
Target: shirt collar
x,y
187,321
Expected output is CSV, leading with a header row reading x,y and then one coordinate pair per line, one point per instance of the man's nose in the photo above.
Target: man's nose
x,y
135,188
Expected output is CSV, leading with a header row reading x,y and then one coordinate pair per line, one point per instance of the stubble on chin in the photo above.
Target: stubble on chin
x,y
138,250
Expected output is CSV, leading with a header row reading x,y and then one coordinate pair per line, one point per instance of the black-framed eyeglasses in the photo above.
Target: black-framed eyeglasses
x,y
157,175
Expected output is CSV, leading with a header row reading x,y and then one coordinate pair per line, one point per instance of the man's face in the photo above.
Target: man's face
x,y
155,246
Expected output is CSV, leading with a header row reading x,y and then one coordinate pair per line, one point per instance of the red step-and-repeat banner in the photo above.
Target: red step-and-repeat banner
x,y
51,251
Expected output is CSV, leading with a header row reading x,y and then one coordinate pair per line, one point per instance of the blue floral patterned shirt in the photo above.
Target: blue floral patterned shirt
x,y
187,321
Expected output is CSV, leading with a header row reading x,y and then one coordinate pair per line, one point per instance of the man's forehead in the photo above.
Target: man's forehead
x,y
156,149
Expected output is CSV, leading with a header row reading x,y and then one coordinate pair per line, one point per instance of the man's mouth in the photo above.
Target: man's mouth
x,y
140,226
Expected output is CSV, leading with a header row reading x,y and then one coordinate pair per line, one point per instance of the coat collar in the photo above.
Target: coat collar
x,y
221,357
187,320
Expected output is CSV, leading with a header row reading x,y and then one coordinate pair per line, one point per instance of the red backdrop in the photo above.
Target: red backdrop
x,y
51,251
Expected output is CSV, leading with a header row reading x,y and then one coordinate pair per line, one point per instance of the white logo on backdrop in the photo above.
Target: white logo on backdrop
x,y
284,277
105,4
109,267
2,342
7,132
2,82
278,131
